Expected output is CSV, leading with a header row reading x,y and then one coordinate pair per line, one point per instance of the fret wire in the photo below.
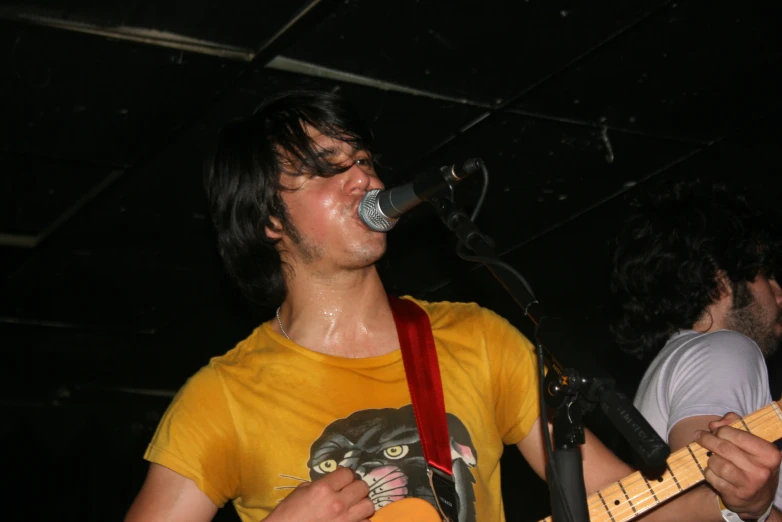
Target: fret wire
x,y
648,485
763,414
673,476
759,419
665,490
605,505
633,479
638,477
697,462
669,482
680,456
768,428
620,511
626,496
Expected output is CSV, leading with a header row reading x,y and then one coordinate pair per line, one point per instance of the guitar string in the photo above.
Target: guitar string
x,y
755,424
625,511
686,456
626,507
606,512
617,514
600,512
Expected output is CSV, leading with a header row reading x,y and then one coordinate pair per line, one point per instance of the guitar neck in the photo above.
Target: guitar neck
x,y
635,494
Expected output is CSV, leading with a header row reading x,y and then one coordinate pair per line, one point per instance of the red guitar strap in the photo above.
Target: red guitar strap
x,y
426,392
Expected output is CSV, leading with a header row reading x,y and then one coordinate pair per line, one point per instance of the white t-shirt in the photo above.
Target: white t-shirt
x,y
704,374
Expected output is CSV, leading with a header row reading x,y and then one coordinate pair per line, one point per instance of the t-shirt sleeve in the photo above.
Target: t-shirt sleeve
x,y
197,439
724,372
514,378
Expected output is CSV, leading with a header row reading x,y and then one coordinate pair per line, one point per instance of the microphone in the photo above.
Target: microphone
x,y
380,209
635,428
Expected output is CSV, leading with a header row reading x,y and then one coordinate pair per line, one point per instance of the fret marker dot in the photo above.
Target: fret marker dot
x,y
616,502
708,453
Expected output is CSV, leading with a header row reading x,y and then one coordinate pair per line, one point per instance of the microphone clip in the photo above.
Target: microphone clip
x,y
571,395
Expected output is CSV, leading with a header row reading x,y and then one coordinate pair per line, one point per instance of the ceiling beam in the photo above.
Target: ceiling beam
x,y
134,34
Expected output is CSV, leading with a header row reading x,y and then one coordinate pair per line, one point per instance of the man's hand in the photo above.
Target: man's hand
x,y
743,468
339,496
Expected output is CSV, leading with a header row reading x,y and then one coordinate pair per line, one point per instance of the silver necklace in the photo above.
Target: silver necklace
x,y
282,329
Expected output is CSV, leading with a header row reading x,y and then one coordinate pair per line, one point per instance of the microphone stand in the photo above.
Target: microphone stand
x,y
565,390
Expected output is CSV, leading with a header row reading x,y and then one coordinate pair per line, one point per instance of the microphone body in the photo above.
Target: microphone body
x,y
635,428
380,209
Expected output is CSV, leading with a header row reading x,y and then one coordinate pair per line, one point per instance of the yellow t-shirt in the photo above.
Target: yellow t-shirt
x,y
269,414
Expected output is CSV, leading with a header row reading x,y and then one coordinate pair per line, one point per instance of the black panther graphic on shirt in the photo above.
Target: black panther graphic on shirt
x,y
384,448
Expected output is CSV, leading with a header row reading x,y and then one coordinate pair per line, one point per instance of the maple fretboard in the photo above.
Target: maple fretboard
x,y
635,494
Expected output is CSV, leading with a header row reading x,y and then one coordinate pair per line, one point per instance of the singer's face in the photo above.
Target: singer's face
x,y
327,232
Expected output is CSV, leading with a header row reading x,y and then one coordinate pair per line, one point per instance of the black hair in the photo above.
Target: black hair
x,y
670,256
243,187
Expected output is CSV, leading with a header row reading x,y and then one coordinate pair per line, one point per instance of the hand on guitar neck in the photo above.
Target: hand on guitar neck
x,y
751,465
746,483
341,495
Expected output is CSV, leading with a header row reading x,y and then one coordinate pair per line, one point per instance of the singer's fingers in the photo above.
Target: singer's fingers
x,y
339,478
362,510
355,491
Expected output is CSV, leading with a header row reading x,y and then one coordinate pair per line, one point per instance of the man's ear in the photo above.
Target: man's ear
x,y
275,229
724,285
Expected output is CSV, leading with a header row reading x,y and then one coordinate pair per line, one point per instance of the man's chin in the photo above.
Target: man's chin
x,y
369,256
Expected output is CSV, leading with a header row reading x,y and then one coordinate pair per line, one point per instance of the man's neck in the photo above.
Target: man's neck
x,y
714,317
346,314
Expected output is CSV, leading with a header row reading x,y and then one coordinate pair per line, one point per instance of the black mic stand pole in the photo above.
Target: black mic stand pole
x,y
566,392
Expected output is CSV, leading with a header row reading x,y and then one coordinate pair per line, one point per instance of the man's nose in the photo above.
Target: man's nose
x,y
361,181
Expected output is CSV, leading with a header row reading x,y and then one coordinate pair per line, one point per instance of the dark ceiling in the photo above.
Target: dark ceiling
x,y
112,291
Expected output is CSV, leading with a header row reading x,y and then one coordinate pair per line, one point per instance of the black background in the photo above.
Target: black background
x,y
112,292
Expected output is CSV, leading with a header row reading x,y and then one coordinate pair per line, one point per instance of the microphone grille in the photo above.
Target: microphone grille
x,y
370,213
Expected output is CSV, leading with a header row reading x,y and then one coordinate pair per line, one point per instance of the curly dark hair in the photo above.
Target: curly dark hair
x,y
242,180
671,253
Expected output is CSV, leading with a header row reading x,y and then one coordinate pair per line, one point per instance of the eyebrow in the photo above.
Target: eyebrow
x,y
327,152
330,152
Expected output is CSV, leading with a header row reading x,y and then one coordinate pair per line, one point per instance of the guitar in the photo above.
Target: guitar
x,y
415,509
635,494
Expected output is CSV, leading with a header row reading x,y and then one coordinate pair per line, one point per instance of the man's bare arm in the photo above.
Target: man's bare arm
x,y
167,496
601,466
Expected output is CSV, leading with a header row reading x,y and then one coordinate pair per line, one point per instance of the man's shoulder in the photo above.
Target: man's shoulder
x,y
720,341
468,322
444,312
698,351
242,354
